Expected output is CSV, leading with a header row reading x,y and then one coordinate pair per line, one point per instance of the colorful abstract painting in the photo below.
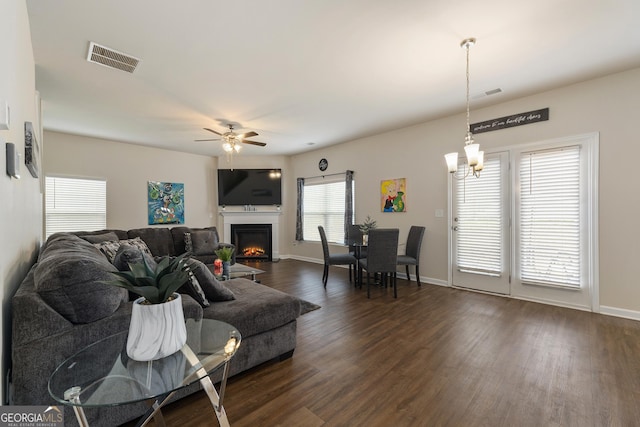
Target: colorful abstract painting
x,y
166,203
393,195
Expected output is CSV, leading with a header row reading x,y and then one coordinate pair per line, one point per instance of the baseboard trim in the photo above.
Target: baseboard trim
x,y
620,312
603,309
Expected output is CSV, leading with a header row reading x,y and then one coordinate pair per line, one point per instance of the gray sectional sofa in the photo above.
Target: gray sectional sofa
x,y
62,306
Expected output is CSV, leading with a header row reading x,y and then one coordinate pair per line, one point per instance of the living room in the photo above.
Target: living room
x,y
603,104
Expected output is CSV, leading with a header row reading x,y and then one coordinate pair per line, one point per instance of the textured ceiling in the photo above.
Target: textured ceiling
x,y
306,74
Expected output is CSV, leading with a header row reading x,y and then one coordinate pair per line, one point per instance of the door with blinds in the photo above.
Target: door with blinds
x,y
528,226
480,228
555,222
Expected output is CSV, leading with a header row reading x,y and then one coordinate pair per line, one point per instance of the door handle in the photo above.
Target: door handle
x,y
455,228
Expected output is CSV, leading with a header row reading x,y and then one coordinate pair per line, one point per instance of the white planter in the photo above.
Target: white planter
x,y
156,330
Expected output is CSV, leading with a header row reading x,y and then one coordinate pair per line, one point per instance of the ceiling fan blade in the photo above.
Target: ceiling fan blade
x,y
261,144
248,135
214,131
201,140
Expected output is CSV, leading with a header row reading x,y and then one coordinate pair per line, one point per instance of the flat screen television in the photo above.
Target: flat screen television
x,y
249,187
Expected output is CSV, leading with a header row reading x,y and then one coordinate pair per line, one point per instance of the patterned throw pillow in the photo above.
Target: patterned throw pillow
x,y
188,244
194,290
109,249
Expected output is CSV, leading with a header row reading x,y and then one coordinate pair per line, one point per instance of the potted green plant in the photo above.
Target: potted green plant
x,y
367,225
157,327
225,254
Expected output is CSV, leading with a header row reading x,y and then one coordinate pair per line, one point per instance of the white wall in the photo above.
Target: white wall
x,y
21,212
607,105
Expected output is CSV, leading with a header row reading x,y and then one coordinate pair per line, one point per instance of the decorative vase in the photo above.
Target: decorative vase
x,y
156,330
365,239
225,269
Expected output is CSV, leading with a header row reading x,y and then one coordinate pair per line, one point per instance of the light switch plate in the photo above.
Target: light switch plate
x,y
439,213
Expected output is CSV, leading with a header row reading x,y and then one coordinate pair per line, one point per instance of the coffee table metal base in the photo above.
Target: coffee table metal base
x,y
72,395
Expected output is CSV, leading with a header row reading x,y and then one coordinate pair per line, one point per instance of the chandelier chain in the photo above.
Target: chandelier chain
x,y
468,125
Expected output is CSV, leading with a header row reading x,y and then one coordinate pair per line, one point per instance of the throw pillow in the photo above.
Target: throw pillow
x,y
213,290
109,249
193,289
128,254
97,238
188,244
138,243
204,242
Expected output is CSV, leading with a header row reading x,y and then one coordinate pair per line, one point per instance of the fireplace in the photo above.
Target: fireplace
x,y
252,241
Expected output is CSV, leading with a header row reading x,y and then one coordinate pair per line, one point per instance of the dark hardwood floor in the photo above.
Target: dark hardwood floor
x,y
434,357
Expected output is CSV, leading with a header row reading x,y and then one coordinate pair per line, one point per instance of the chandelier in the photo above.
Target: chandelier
x,y
475,157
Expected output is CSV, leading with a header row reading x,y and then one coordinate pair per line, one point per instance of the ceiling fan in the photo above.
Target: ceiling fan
x,y
232,139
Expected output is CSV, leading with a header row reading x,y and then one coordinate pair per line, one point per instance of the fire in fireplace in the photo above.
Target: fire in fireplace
x,y
252,241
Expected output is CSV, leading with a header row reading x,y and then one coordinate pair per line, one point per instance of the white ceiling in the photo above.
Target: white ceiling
x,y
302,72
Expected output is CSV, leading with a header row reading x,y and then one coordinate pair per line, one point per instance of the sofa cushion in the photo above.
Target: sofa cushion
x,y
213,289
204,242
70,277
97,238
159,240
256,309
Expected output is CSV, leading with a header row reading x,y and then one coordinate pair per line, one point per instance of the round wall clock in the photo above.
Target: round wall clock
x,y
323,164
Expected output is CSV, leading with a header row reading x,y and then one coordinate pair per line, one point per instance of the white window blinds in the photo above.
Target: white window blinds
x,y
73,204
324,204
550,217
479,221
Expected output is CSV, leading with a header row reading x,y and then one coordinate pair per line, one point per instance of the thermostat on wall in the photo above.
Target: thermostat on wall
x,y
13,161
5,118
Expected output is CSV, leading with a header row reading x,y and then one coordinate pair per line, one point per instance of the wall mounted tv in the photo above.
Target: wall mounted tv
x,y
249,187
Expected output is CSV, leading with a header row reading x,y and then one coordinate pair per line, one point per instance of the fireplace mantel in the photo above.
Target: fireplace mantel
x,y
254,217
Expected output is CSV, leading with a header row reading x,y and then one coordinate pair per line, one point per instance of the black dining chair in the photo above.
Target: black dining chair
x,y
335,259
382,256
412,251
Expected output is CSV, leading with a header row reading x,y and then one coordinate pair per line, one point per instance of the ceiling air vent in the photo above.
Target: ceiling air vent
x,y
111,58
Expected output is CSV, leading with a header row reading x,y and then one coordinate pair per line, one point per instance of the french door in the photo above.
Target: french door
x,y
528,226
480,228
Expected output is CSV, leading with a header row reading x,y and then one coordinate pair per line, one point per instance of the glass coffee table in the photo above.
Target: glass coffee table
x,y
102,374
240,270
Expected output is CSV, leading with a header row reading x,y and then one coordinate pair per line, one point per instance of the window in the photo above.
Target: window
x,y
550,217
74,204
324,203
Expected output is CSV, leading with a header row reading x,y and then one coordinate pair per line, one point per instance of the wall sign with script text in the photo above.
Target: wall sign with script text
x,y
511,121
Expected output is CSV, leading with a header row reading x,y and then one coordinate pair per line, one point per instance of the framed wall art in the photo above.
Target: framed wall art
x,y
166,202
31,150
393,195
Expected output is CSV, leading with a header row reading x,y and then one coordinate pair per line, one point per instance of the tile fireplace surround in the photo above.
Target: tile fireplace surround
x,y
254,217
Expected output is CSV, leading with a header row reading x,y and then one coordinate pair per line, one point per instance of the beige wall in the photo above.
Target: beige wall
x,y
21,212
608,105
127,169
